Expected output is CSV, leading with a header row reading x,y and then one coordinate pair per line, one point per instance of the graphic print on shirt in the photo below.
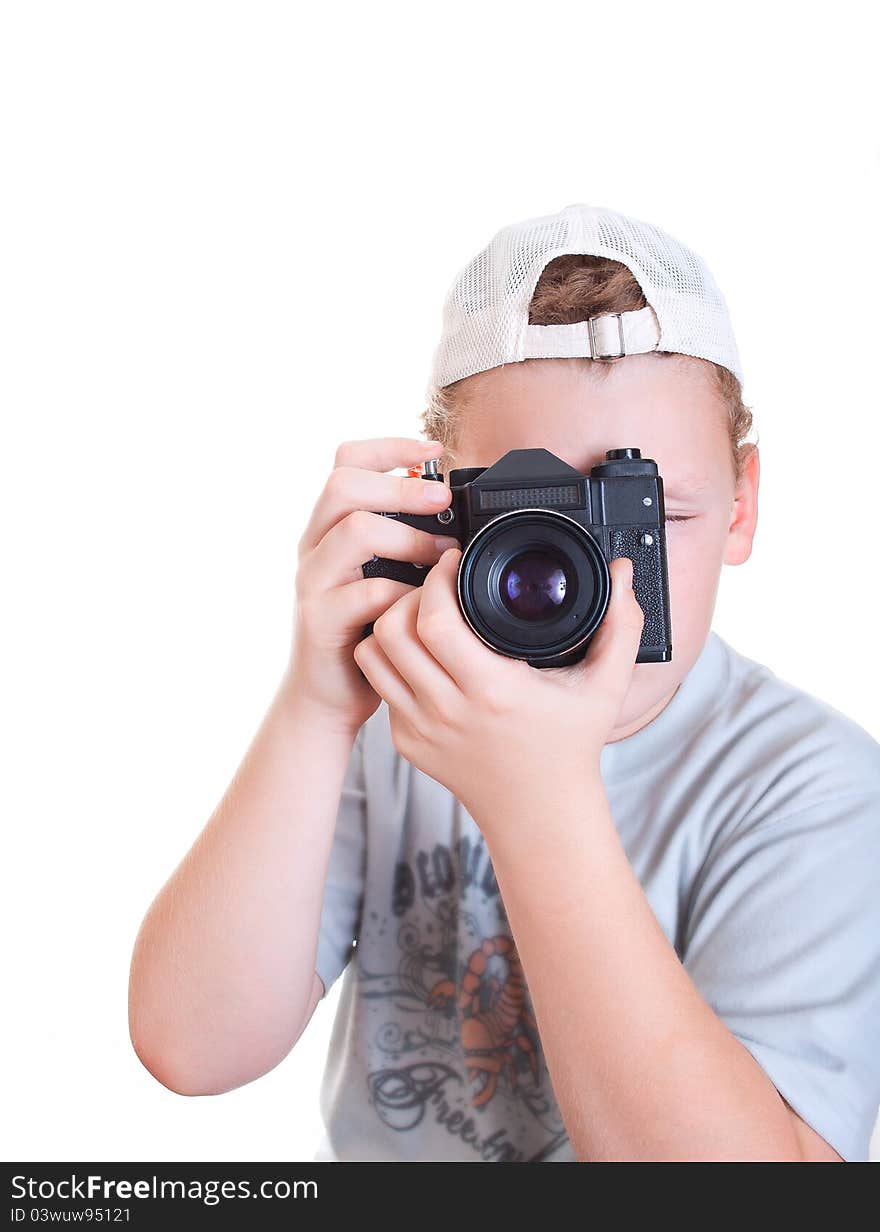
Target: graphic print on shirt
x,y
459,1033
492,1014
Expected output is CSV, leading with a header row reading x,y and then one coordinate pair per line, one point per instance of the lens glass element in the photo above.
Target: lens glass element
x,y
533,584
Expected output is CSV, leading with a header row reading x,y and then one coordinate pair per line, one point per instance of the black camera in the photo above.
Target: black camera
x,y
536,537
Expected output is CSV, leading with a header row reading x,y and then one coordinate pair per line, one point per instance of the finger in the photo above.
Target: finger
x,y
346,609
348,489
385,452
384,677
613,649
397,634
339,556
444,631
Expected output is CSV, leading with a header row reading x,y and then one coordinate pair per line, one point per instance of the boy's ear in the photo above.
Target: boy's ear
x,y
744,513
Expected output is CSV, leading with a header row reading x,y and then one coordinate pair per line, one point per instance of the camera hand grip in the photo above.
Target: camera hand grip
x,y
651,588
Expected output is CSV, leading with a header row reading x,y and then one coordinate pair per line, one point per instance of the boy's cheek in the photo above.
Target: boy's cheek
x,y
694,566
694,556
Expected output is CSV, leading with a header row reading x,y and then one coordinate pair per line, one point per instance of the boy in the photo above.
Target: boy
x,y
609,911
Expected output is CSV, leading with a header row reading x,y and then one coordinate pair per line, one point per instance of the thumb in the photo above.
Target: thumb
x,y
611,655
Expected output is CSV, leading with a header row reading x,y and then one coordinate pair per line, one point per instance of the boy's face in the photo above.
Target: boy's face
x,y
665,407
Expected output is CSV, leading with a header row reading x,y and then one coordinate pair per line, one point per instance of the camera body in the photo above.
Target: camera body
x,y
537,536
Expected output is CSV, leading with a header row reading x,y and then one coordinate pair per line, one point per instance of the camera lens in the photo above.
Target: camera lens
x,y
533,585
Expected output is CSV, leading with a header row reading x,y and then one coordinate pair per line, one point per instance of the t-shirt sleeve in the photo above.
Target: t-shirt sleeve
x,y
344,884
782,939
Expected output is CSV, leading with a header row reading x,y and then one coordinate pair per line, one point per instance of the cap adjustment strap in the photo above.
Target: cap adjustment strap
x,y
608,336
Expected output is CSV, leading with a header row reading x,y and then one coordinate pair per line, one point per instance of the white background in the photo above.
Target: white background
x,y
227,231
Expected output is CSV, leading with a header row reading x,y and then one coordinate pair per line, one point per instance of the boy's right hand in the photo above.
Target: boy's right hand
x,y
334,601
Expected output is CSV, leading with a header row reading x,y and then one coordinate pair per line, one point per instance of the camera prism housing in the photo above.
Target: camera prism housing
x,y
537,537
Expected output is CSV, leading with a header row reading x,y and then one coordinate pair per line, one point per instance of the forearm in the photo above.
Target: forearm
x,y
642,1067
223,965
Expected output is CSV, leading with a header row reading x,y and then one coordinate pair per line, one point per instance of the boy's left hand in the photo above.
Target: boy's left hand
x,y
486,726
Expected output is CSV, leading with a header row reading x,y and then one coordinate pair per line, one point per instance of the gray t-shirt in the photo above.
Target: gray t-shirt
x,y
750,812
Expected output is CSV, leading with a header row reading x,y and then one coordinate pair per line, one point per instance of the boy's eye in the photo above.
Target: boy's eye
x,y
680,517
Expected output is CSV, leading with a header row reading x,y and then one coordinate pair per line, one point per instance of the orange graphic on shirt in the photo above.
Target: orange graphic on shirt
x,y
492,1012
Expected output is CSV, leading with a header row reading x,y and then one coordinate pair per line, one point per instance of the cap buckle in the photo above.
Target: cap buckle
x,y
604,337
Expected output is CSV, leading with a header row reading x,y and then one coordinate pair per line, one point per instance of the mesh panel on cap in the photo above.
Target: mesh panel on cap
x,y
485,315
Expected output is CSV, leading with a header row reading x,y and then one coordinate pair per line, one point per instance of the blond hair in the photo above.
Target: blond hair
x,y
573,288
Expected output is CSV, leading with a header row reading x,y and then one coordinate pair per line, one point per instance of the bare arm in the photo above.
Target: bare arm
x,y
223,978
642,1067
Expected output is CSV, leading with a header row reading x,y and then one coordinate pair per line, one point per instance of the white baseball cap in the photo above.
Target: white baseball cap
x,y
486,313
